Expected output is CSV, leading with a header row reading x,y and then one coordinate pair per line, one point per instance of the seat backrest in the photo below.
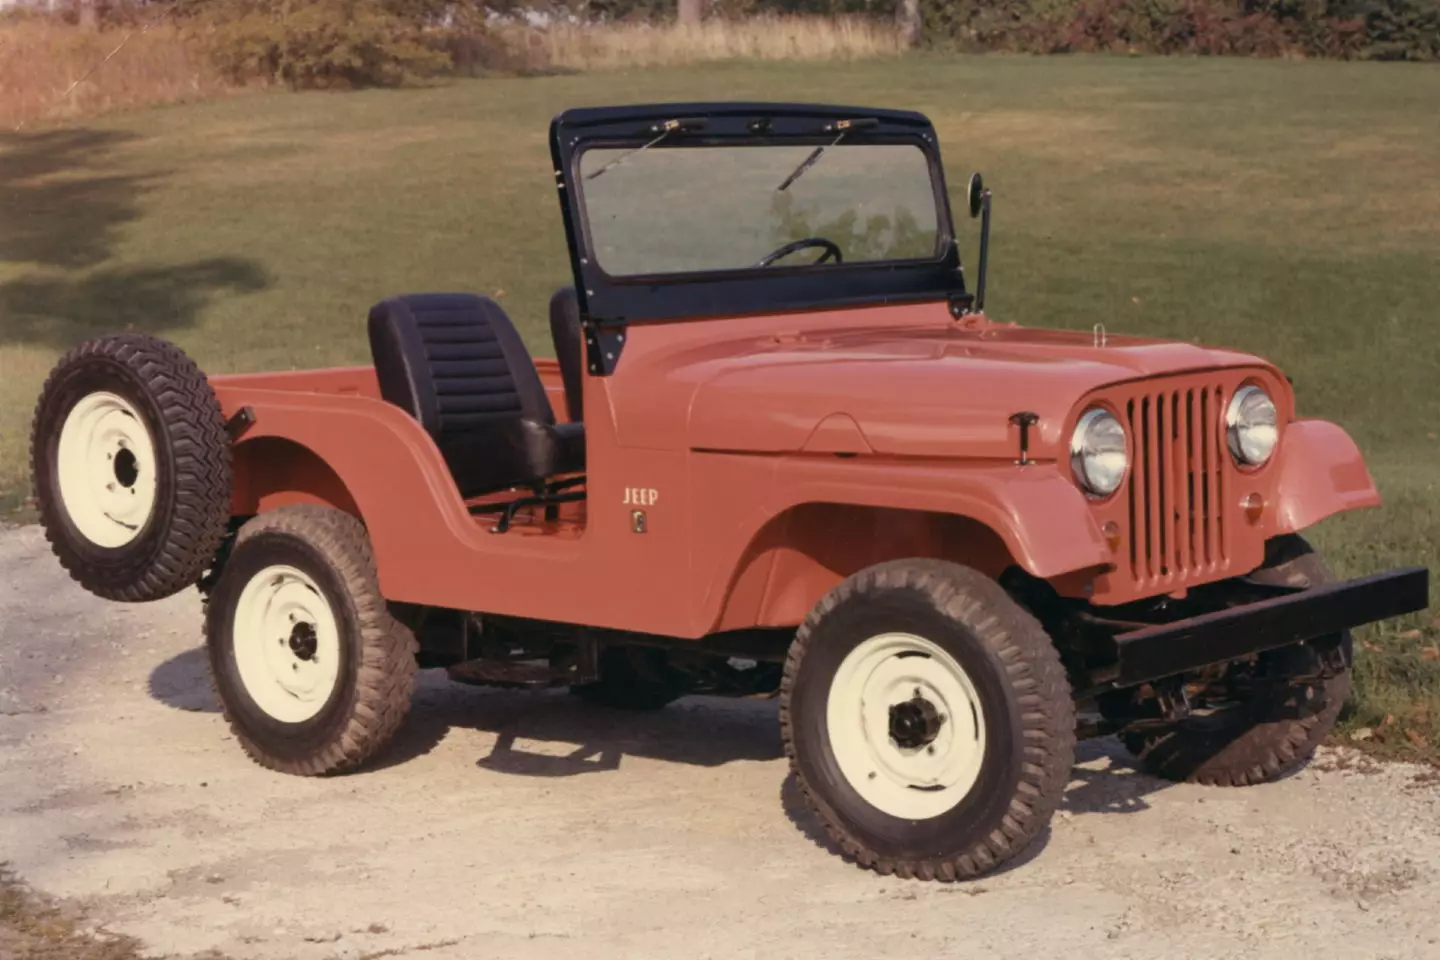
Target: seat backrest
x,y
457,364
565,331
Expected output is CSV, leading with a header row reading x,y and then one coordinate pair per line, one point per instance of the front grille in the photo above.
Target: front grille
x,y
1178,485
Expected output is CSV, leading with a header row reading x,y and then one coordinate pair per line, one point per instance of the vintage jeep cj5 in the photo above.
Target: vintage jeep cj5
x,y
782,451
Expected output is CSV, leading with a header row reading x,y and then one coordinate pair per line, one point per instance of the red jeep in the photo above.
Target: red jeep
x,y
781,451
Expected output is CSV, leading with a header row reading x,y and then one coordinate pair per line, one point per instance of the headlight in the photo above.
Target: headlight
x,y
1250,426
1097,452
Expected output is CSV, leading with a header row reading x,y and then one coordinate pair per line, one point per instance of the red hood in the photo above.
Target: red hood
x,y
936,390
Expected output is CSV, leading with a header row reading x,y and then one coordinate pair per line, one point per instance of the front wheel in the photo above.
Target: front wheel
x,y
928,720
1284,708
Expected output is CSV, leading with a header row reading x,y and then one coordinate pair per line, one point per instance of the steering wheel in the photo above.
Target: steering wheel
x,y
831,251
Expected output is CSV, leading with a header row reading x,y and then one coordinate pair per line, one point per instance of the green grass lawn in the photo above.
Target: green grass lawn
x,y
1290,209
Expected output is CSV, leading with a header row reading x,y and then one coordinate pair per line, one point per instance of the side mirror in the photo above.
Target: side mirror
x,y
979,199
976,194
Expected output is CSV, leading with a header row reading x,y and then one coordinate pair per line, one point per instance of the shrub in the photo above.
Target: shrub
x,y
1370,29
317,43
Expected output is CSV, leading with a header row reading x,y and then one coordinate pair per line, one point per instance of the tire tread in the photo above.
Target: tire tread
x,y
387,665
1046,710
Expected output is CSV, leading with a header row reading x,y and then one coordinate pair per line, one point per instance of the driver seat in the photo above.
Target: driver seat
x,y
456,363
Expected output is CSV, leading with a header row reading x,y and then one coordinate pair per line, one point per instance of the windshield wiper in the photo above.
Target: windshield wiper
x,y
844,126
665,129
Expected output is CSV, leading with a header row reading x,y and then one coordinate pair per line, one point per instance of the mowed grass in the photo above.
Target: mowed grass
x,y
1290,209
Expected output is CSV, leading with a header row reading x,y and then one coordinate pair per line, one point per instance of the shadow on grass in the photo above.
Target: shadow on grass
x,y
58,209
59,311
61,210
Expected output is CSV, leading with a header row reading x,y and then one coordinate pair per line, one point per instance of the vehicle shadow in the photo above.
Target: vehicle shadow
x,y
1106,779
589,737
183,682
554,734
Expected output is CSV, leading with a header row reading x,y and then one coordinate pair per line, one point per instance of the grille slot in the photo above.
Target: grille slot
x,y
1178,485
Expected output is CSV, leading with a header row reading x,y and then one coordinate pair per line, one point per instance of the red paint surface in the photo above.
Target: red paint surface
x,y
786,452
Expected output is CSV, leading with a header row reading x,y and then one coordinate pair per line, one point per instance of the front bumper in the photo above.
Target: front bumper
x,y
1164,650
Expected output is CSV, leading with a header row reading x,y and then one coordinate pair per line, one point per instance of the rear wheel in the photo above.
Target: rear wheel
x,y
1286,709
314,674
928,720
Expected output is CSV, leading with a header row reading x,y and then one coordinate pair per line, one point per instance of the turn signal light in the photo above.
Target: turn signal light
x,y
1254,506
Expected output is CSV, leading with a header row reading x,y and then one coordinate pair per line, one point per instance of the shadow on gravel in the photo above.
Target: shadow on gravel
x,y
705,731
183,682
1117,787
552,734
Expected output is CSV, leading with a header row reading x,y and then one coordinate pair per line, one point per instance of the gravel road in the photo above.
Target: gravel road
x,y
534,825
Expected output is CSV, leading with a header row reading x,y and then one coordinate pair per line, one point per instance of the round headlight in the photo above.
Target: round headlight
x,y
1250,426
1097,452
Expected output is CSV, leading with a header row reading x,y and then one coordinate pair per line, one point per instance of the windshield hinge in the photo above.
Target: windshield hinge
x,y
604,341
960,304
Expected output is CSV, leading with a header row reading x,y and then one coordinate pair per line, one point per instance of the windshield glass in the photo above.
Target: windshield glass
x,y
698,209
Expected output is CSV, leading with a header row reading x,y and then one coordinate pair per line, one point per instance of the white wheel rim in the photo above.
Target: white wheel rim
x,y
287,644
913,778
106,469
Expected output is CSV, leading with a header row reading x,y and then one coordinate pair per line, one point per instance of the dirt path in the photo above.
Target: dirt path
x,y
537,826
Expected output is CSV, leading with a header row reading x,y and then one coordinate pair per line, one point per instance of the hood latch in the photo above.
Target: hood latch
x,y
1025,419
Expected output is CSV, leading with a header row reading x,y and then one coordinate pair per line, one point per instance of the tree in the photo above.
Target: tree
x,y
907,21
691,11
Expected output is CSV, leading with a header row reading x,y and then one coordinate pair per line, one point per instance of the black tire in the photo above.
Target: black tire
x,y
1270,735
191,468
633,678
376,671
1024,699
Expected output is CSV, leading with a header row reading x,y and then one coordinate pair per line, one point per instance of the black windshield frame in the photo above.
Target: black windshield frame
x,y
614,301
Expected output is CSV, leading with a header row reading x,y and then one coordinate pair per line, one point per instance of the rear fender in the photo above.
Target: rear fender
x,y
359,454
272,472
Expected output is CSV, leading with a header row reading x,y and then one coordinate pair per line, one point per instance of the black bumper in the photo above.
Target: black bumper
x,y
1167,649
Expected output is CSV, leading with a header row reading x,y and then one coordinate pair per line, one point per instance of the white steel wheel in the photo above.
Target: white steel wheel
x,y
106,469
906,726
287,644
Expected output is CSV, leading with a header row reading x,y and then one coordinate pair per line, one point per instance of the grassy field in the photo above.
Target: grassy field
x,y
1291,209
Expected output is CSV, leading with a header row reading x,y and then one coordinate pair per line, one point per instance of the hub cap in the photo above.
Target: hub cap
x,y
287,644
906,726
106,469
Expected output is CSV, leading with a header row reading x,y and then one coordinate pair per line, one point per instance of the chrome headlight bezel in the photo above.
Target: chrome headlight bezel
x,y
1085,452
1246,433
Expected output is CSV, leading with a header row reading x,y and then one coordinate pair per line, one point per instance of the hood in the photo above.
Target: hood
x,y
925,391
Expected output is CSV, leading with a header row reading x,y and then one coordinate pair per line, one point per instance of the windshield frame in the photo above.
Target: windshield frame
x,y
612,301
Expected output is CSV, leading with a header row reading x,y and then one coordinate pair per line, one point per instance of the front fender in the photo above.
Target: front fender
x,y
1041,516
1321,474
826,517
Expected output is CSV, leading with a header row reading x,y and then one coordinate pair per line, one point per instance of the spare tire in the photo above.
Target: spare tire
x,y
131,465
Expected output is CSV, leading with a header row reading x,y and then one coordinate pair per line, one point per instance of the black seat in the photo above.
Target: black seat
x,y
456,363
565,330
